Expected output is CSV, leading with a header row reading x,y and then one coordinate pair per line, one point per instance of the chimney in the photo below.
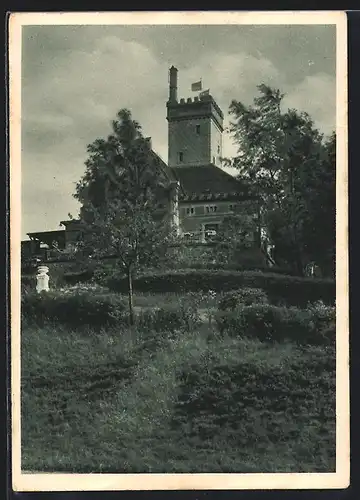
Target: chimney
x,y
173,84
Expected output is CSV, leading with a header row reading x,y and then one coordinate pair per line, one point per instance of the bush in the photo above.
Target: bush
x,y
272,323
75,309
161,319
290,290
245,296
169,319
324,317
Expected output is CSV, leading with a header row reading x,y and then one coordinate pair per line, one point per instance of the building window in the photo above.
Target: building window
x,y
232,208
210,209
214,159
218,149
181,156
198,129
190,211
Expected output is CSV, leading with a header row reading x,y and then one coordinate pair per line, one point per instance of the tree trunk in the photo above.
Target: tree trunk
x,y
130,296
299,266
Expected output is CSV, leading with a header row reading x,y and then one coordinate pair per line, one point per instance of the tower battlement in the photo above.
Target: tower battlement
x,y
198,107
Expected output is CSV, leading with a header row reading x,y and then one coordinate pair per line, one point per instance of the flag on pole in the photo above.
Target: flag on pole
x,y
195,87
205,92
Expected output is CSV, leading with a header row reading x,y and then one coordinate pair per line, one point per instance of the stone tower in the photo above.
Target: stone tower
x,y
195,128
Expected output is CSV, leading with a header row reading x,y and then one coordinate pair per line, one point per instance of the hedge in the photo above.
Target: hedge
x,y
312,326
79,277
290,290
217,266
74,309
99,309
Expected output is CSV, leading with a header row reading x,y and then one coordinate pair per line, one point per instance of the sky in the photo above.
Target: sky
x,y
76,78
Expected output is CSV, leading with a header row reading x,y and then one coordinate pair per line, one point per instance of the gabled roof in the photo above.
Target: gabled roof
x,y
208,182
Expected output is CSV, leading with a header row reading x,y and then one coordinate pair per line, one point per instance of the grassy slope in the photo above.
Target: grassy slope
x,y
116,401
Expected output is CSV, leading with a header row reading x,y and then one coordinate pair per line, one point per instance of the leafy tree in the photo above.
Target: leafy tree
x,y
235,234
320,197
125,197
284,159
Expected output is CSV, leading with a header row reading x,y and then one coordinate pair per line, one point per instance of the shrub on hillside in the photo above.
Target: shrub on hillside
x,y
169,319
273,323
160,319
280,288
323,316
75,309
245,296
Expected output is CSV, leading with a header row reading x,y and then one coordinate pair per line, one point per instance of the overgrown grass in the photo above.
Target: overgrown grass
x,y
120,400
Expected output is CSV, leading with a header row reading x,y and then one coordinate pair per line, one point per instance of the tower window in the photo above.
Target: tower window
x,y
190,211
181,156
198,129
219,149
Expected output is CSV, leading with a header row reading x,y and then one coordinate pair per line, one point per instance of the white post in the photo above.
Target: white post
x,y
42,279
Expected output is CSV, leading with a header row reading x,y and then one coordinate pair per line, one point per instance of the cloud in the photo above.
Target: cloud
x,y
87,87
316,95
